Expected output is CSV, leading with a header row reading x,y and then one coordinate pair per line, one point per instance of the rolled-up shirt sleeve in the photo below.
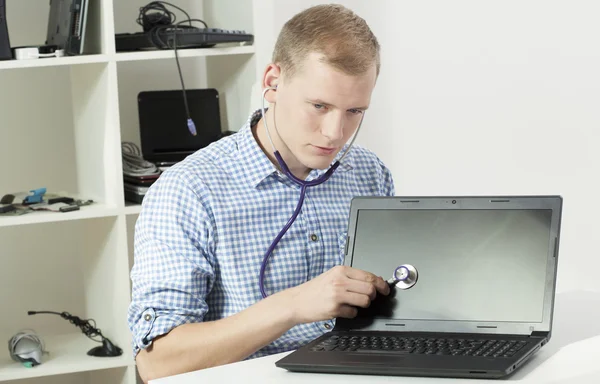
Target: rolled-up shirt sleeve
x,y
171,274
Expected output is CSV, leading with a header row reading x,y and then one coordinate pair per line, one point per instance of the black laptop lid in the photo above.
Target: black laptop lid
x,y
164,132
485,264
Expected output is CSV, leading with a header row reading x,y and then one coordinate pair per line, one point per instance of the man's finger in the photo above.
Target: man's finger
x,y
355,299
362,287
347,311
358,274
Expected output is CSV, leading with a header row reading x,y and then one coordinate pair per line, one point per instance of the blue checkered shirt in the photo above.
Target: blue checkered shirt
x,y
206,223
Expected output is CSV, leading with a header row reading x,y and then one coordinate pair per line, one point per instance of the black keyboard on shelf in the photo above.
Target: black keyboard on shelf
x,y
185,38
421,345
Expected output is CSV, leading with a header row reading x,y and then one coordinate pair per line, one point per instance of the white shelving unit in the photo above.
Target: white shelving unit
x,y
62,122
154,55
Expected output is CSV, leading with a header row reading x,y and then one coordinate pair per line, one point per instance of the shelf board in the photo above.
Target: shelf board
x,y
67,354
183,53
86,212
54,61
132,208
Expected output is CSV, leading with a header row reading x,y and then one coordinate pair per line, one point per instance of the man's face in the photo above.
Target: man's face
x,y
318,110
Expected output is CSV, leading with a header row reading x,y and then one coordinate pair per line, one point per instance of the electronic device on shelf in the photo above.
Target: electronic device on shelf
x,y
162,112
66,25
26,347
5,52
88,328
37,52
181,37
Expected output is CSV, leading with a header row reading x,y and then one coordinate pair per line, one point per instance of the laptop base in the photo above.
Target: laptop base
x,y
389,363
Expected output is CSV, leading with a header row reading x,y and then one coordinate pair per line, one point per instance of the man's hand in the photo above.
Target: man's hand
x,y
335,293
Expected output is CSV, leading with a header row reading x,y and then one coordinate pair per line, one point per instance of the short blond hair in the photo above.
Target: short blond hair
x,y
344,38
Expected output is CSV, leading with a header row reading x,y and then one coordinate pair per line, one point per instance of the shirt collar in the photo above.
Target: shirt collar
x,y
254,162
257,166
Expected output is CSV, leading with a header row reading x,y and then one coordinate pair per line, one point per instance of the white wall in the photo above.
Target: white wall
x,y
487,97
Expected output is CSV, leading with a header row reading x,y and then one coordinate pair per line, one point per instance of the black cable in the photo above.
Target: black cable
x,y
88,326
155,18
159,6
197,20
185,102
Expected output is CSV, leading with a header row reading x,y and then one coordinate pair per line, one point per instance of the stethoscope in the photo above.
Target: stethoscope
x,y
404,277
302,183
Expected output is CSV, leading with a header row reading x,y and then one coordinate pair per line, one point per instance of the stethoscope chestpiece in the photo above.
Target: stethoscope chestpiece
x,y
404,277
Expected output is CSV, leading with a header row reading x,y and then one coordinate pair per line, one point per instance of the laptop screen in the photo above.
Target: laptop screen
x,y
473,265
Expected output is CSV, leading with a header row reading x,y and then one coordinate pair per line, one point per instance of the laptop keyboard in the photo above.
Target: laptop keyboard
x,y
421,345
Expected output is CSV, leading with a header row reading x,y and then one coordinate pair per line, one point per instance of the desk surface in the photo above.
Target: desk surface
x,y
571,356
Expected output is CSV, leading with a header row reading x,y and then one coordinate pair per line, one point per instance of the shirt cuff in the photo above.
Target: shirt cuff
x,y
143,328
152,324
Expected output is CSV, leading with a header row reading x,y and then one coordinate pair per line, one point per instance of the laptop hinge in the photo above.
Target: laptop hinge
x,y
539,334
338,327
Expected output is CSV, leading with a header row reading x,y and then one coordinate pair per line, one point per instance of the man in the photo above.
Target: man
x,y
207,223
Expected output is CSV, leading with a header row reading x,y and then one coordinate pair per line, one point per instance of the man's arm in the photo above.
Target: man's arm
x,y
195,346
336,293
173,273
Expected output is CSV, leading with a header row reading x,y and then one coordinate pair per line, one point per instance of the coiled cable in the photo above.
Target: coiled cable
x,y
133,162
25,334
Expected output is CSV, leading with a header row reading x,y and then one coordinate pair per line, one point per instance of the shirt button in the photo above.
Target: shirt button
x,y
314,237
327,326
147,317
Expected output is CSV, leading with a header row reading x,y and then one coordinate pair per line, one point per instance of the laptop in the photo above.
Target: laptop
x,y
165,138
484,298
67,23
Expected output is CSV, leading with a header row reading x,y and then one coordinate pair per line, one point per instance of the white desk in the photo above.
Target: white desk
x,y
571,356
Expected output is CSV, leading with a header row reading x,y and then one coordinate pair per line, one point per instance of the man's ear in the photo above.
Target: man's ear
x,y
271,79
